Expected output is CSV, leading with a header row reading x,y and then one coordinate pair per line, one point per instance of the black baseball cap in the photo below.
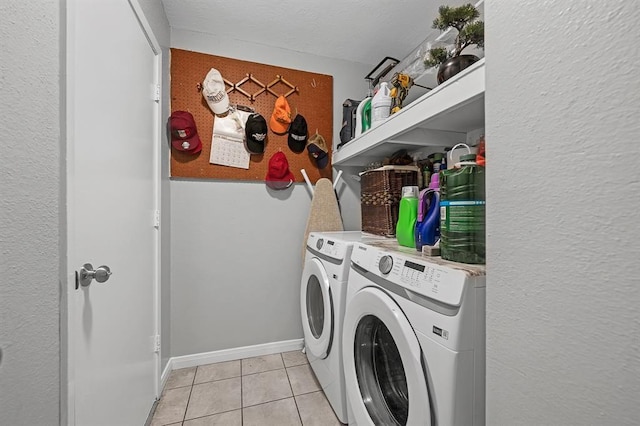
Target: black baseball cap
x,y
298,134
256,133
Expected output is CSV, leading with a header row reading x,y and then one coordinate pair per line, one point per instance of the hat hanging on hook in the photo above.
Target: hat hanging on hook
x,y
317,148
278,175
298,134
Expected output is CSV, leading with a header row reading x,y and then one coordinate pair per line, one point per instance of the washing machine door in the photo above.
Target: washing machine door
x,y
317,309
385,381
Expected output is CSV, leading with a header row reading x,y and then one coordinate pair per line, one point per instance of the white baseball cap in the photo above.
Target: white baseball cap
x,y
214,92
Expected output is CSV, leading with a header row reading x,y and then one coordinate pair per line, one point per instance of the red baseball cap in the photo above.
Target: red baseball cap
x,y
184,135
279,176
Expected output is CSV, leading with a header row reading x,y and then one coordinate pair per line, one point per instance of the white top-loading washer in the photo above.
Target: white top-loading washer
x,y
413,339
322,303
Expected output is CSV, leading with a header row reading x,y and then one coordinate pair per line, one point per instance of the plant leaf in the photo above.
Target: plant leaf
x,y
473,33
456,17
437,55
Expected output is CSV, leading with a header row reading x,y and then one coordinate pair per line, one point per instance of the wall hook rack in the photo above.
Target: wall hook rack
x,y
235,87
280,79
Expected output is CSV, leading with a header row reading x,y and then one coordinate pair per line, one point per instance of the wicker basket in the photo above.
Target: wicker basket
x,y
381,190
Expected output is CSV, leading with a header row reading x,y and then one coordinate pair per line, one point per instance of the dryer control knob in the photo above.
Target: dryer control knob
x,y
319,243
385,264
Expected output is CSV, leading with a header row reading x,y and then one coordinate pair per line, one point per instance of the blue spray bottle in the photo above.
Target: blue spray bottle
x,y
428,220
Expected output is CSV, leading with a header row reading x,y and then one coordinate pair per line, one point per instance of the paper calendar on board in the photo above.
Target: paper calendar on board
x,y
227,142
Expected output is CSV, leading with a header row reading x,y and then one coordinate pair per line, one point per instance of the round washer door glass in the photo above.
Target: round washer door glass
x,y
380,372
316,308
384,376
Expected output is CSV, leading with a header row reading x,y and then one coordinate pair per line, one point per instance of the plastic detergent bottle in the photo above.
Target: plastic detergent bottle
x,y
428,220
426,175
381,104
366,115
462,211
359,110
437,162
407,215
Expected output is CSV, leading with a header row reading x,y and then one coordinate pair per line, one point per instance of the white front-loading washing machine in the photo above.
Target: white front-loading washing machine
x,y
413,339
322,303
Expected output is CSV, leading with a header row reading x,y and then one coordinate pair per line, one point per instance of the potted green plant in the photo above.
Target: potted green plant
x,y
470,32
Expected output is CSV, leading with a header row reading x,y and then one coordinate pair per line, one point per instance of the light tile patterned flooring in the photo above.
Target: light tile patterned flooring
x,y
278,390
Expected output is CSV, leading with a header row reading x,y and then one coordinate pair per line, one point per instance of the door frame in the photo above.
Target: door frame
x,y
68,340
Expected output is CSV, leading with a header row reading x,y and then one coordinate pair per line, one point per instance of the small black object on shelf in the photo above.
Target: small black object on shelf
x,y
385,66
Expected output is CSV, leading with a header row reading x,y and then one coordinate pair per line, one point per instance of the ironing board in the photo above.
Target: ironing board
x,y
324,214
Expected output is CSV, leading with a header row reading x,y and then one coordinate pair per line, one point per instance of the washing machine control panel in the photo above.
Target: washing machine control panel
x,y
429,279
333,248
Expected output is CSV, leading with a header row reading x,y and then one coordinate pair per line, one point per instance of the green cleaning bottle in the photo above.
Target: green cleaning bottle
x,y
407,217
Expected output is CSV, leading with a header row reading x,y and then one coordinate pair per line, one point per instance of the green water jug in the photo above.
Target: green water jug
x,y
407,217
462,212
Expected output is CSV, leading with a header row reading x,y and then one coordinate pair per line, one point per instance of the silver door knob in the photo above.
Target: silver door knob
x,y
87,274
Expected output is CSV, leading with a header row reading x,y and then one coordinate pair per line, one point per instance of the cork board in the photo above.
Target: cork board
x,y
313,100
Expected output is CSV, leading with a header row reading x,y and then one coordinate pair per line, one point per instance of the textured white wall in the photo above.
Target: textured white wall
x,y
30,164
563,191
32,266
237,247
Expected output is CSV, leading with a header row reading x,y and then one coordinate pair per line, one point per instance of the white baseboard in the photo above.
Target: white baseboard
x,y
165,374
229,355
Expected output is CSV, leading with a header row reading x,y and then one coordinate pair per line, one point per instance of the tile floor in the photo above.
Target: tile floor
x,y
277,389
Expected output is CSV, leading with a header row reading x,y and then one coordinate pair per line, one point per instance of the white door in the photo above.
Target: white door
x,y
384,376
112,197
